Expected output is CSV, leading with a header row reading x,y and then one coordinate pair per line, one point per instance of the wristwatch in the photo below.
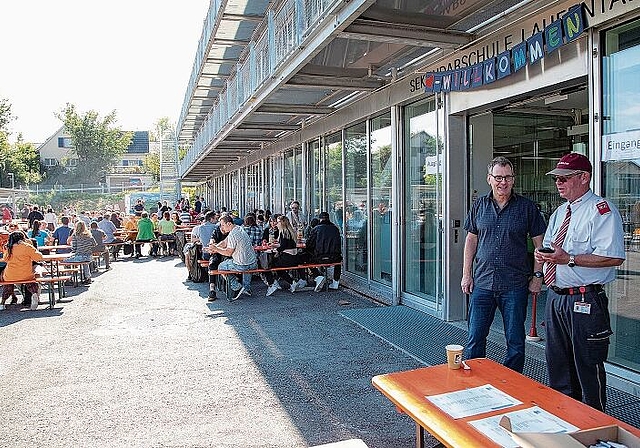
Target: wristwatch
x,y
538,274
572,261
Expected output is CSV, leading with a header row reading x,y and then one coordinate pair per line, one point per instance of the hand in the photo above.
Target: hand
x,y
467,284
558,256
535,285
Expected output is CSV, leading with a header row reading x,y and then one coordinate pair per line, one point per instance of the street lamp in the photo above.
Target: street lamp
x,y
10,175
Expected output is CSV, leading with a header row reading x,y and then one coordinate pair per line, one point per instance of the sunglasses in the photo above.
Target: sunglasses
x,y
563,179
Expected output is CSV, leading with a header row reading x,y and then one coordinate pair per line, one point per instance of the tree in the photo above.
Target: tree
x,y
151,165
97,142
5,114
163,129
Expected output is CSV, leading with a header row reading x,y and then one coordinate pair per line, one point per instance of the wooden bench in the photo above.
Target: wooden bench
x,y
227,289
49,282
132,243
78,265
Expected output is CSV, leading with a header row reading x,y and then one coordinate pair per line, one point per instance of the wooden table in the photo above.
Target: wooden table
x,y
407,390
55,248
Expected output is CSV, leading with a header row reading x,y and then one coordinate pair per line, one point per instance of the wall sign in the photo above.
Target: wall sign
x,y
621,146
562,31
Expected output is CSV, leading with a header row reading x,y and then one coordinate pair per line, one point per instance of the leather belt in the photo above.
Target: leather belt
x,y
574,290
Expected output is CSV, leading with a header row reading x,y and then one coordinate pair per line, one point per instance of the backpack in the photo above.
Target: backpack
x,y
127,248
197,273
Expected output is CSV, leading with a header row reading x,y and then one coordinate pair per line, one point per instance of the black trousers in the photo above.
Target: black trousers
x,y
577,346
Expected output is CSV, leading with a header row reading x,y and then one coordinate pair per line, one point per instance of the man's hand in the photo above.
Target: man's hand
x,y
467,284
535,285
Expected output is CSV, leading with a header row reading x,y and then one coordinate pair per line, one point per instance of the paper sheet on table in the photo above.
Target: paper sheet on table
x,y
474,401
530,420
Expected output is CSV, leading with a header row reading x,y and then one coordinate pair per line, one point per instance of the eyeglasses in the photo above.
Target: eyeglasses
x,y
503,178
563,179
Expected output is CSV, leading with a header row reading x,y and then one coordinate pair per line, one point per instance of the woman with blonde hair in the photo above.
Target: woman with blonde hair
x,y
82,244
19,256
286,255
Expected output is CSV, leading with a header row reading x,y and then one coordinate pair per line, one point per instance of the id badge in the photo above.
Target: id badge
x,y
582,307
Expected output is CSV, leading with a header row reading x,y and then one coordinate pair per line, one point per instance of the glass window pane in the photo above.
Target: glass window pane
x,y
333,185
380,200
356,196
621,94
422,202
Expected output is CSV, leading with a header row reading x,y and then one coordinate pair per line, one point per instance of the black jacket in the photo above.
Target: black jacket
x,y
324,240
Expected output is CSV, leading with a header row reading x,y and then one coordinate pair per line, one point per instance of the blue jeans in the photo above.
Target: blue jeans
x,y
513,307
229,265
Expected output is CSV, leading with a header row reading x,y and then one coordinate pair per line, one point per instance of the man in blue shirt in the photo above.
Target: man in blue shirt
x,y
498,226
61,234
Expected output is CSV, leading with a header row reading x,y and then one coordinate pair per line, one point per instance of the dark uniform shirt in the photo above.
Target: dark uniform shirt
x,y
502,262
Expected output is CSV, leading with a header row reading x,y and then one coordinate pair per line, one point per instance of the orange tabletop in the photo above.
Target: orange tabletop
x,y
57,247
407,390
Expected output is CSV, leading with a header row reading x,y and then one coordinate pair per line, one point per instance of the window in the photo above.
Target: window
x,y
64,142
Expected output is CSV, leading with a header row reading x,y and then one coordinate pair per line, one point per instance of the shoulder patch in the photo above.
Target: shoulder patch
x,y
603,207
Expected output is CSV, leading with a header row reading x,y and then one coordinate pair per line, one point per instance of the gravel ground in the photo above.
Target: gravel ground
x,y
141,359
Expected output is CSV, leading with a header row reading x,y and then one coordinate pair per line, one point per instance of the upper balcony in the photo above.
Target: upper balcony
x,y
264,70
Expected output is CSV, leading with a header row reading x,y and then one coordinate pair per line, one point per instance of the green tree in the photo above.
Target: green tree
x,y
163,129
151,165
24,162
97,142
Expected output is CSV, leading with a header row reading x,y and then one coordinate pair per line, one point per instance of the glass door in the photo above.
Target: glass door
x,y
422,206
621,182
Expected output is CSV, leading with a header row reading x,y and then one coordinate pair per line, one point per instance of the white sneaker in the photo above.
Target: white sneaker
x,y
320,281
2,307
35,301
334,284
301,284
273,288
293,287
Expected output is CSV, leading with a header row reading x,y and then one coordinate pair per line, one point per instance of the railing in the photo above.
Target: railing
x,y
285,30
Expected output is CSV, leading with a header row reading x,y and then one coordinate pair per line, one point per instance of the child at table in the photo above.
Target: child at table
x,y
20,256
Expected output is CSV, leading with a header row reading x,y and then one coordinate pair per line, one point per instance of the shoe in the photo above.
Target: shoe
x,y
212,296
35,301
264,279
273,288
301,284
2,307
320,281
247,292
334,284
293,287
87,281
240,292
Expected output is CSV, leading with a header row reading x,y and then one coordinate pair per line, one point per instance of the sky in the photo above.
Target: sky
x,y
131,56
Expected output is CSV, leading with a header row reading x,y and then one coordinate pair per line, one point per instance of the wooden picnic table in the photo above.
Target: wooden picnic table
x,y
408,391
55,247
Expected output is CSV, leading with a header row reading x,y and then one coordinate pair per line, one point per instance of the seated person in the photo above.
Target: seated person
x,y
61,235
145,233
38,232
19,258
83,245
324,246
167,229
286,255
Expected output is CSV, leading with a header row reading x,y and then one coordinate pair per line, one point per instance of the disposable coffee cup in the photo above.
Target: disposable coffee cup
x,y
454,355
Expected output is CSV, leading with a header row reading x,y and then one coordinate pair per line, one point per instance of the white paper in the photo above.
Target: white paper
x,y
533,419
477,400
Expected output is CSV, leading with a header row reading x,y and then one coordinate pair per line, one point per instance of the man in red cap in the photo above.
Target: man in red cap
x,y
582,246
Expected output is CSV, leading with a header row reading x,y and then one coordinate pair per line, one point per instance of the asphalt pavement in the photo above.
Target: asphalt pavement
x,y
140,358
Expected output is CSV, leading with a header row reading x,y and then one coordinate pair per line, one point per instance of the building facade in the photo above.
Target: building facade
x,y
385,114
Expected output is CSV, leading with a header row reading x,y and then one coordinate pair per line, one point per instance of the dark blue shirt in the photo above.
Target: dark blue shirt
x,y
502,262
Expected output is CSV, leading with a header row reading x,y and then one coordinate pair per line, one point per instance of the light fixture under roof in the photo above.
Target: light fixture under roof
x,y
555,99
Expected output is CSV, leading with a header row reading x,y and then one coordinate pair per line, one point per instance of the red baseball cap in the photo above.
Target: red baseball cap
x,y
571,163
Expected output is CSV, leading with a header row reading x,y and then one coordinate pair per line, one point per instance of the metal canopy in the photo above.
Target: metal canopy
x,y
388,37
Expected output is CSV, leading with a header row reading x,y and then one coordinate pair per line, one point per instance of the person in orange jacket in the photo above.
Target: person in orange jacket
x,y
19,256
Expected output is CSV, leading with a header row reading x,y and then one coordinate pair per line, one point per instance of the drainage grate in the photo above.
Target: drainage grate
x,y
424,337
